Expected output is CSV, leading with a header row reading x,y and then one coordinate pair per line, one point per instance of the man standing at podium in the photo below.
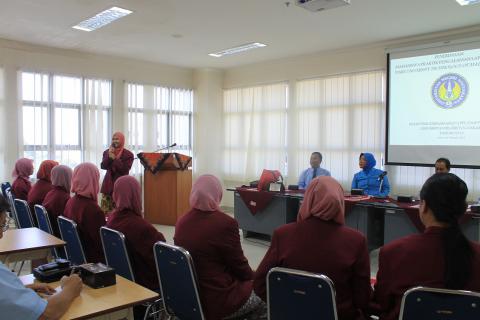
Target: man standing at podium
x,y
311,173
117,161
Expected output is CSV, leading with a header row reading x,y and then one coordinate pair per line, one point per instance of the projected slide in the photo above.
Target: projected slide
x,y
434,103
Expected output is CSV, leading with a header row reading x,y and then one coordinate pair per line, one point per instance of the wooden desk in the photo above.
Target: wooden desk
x,y
96,302
27,244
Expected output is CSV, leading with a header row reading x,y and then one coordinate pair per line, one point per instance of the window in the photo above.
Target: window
x,y
255,131
64,118
165,112
340,116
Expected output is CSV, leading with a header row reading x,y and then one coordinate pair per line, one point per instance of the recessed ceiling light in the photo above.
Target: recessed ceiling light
x,y
467,2
239,49
102,19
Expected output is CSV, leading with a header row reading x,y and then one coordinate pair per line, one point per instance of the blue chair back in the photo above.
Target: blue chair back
x,y
45,224
12,213
5,186
24,217
439,304
115,251
69,233
178,282
295,294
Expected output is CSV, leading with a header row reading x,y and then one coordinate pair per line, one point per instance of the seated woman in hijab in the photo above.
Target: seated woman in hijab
x,y
319,242
57,198
84,210
213,240
440,257
21,184
140,235
43,185
374,182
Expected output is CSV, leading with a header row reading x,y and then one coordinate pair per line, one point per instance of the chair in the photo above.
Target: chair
x,y
22,211
45,225
434,304
178,282
5,186
116,254
295,294
69,233
12,213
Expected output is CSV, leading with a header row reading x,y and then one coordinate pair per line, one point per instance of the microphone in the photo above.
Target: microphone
x,y
382,175
167,147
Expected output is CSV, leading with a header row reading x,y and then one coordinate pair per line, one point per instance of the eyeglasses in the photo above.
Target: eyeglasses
x,y
5,226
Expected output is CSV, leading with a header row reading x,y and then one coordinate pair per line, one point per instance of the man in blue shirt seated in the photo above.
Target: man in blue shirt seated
x,y
311,173
23,302
374,182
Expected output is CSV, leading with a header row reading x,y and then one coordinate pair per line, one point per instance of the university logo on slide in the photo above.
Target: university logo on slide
x,y
449,91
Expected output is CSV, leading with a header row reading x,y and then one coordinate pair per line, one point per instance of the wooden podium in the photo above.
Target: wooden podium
x,y
167,186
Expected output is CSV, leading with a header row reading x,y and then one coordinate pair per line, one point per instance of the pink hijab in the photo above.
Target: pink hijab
x,y
23,168
206,193
62,177
127,194
324,200
85,180
45,170
118,151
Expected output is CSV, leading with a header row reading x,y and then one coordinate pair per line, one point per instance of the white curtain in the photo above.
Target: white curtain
x,y
97,118
341,117
255,131
158,117
4,174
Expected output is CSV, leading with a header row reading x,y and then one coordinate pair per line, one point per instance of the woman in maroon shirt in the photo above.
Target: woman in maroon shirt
x,y
57,198
21,184
319,242
84,210
117,161
140,235
441,257
212,238
43,185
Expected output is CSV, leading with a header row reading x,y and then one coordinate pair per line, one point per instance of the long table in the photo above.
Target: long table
x,y
380,220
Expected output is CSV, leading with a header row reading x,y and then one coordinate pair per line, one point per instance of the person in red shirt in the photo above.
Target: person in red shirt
x,y
21,184
84,210
117,161
212,238
57,198
140,235
441,257
319,242
37,194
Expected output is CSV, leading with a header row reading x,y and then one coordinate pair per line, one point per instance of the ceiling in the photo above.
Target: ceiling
x,y
183,32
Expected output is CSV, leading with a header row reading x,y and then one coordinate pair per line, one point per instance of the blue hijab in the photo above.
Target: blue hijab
x,y
371,162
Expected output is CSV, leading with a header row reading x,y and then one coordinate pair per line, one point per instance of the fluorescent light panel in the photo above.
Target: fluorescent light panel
x,y
467,2
102,19
242,48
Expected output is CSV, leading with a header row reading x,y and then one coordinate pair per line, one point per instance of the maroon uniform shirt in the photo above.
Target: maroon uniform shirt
x,y
37,194
140,236
55,202
20,188
324,247
412,261
115,169
224,275
89,218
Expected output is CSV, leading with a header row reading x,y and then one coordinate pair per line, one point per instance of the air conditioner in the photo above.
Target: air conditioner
x,y
319,5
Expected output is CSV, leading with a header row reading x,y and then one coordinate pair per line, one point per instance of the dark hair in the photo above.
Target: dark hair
x,y
445,194
4,205
444,160
318,154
